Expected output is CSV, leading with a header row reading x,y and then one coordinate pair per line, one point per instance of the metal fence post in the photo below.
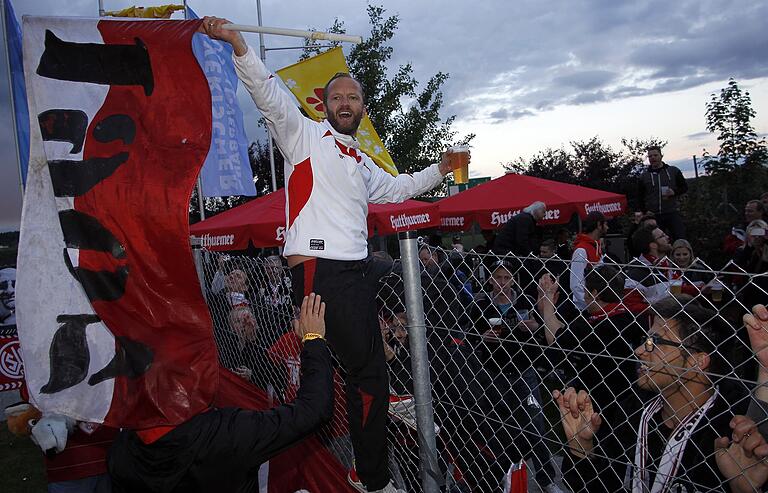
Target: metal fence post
x,y
417,336
197,255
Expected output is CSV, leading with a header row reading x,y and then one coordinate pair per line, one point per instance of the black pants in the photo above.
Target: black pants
x,y
348,289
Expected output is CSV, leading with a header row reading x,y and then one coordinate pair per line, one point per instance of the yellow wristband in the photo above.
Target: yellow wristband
x,y
310,336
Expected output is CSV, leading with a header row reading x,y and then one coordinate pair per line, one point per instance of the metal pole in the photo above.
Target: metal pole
x,y
199,183
417,330
13,102
270,147
296,33
101,8
695,166
197,256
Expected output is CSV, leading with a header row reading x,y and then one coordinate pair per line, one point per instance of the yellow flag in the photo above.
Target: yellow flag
x,y
161,12
306,80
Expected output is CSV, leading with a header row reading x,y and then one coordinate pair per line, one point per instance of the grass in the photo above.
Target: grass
x,y
21,464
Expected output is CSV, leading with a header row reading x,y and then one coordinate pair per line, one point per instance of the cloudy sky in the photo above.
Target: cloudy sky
x,y
527,74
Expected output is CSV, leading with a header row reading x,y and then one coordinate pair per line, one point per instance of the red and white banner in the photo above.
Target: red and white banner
x,y
110,313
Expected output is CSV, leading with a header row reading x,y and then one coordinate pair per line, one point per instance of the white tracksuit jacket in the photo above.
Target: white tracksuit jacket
x,y
328,180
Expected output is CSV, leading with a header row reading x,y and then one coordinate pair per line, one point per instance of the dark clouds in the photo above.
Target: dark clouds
x,y
699,136
536,56
513,60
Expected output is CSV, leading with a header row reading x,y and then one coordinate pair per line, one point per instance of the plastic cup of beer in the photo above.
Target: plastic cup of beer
x,y
458,157
676,286
717,291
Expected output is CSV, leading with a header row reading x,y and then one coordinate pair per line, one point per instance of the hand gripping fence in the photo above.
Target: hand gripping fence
x,y
659,366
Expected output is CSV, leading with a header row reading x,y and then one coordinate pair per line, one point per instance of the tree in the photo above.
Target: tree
x,y
729,115
590,163
258,154
553,164
414,134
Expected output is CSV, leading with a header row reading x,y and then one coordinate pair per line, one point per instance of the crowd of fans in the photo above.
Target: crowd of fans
x,y
648,351
643,352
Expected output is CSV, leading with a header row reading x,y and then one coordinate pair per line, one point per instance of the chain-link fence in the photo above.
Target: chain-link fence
x,y
660,355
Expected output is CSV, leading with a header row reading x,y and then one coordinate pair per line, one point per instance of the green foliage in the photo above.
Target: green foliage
x,y
729,115
258,154
737,174
9,245
590,163
711,209
312,47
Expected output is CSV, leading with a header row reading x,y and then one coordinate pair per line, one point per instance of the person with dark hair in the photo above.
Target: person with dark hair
x,y
394,334
507,340
547,249
518,235
274,300
649,273
563,240
639,220
548,263
659,187
586,252
329,183
601,343
665,442
754,210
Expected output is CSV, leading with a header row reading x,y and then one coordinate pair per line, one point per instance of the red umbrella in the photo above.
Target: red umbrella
x,y
262,222
409,215
493,203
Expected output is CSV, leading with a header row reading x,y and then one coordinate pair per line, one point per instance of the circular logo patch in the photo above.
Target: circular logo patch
x,y
11,364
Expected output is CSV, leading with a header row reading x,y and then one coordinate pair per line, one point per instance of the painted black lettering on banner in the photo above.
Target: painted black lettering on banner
x,y
120,65
64,126
83,231
132,359
99,285
74,178
69,356
115,127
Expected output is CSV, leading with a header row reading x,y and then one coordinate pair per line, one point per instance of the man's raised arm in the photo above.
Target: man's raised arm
x,y
277,106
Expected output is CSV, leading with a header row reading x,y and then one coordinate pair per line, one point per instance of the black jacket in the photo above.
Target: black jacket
x,y
606,469
649,195
517,236
221,449
518,348
599,353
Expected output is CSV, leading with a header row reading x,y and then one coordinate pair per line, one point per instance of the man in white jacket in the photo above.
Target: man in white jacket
x,y
329,183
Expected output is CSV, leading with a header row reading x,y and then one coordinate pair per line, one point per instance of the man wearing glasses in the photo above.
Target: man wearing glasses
x,y
666,443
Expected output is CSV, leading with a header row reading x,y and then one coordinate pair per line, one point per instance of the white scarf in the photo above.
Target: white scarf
x,y
673,452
